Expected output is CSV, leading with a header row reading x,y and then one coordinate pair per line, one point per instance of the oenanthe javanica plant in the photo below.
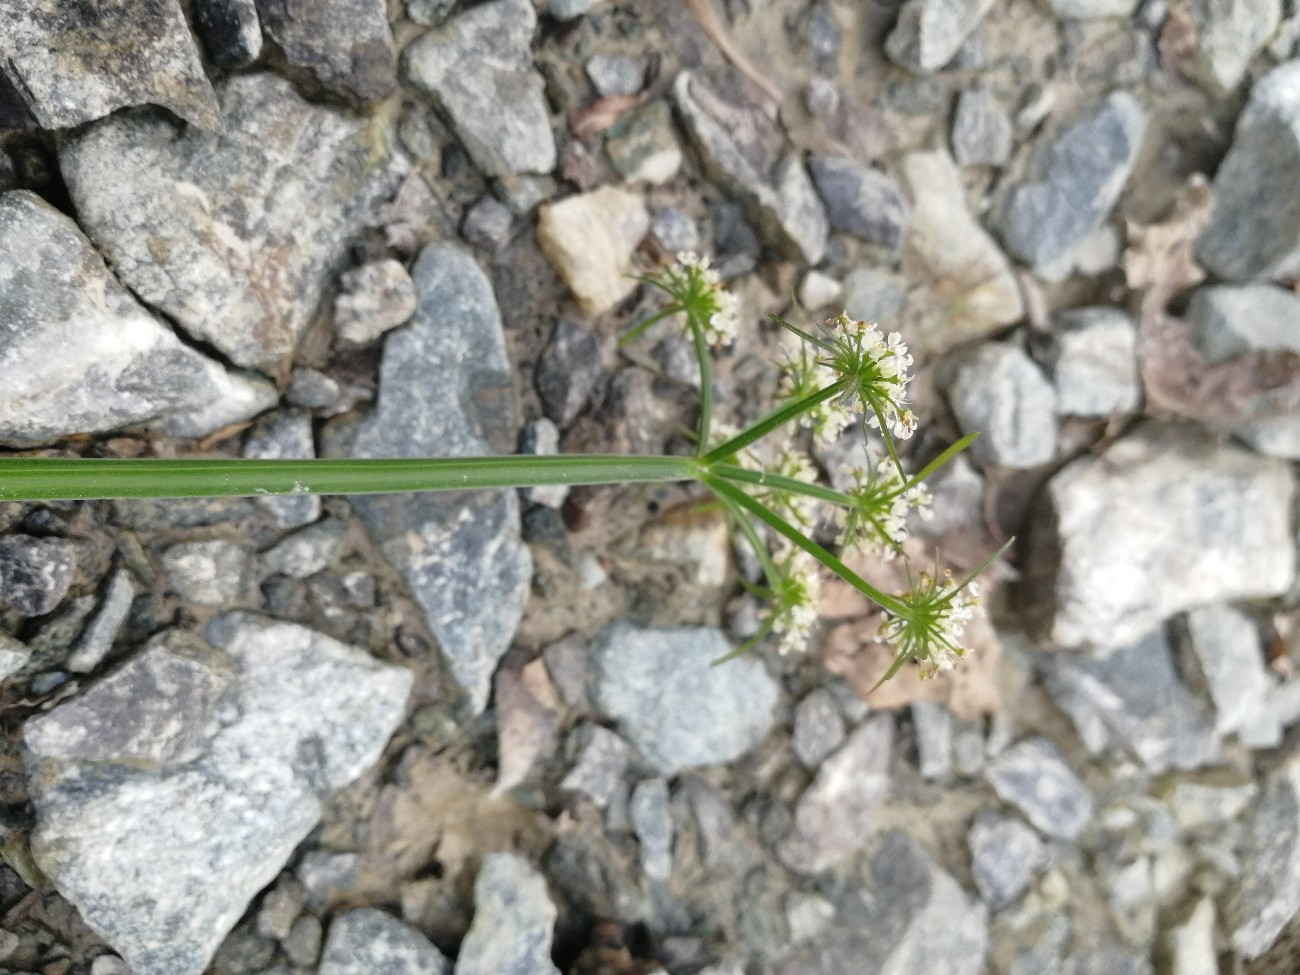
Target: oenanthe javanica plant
x,y
768,489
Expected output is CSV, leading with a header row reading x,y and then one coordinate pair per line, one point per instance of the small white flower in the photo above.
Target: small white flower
x,y
932,631
874,370
882,504
793,610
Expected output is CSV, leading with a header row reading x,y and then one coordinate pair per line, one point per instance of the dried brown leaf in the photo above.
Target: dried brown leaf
x,y
591,120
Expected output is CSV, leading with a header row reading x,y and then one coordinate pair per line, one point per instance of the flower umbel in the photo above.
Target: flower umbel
x,y
697,290
931,631
874,369
882,501
801,376
796,592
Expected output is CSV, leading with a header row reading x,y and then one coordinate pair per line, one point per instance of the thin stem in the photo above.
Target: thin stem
x,y
49,479
635,331
706,381
778,417
780,483
784,528
810,339
952,451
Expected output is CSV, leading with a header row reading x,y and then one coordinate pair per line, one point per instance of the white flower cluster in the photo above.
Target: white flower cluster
x,y
698,288
800,509
882,503
794,606
801,376
876,370
933,634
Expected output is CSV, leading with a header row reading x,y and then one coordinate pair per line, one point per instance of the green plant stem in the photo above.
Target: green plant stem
x,y
636,331
706,381
787,484
774,521
778,417
61,479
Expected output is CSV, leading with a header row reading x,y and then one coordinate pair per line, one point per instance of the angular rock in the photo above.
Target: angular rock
x,y
1033,777
777,195
479,67
1210,803
303,942
1245,240
77,62
163,862
461,554
929,33
1091,9
231,30
567,372
1005,855
1231,320
829,817
969,274
35,573
981,129
346,44
513,921
285,435
1073,181
932,726
616,74
590,238
652,819
672,703
818,728
81,355
1190,944
306,552
643,146
901,914
374,299
1000,392
1228,35
211,573
14,656
1132,699
674,230
1268,895
1230,658
1165,519
1094,362
488,224
255,220
370,942
860,200
101,629
541,438
873,295
152,711
601,767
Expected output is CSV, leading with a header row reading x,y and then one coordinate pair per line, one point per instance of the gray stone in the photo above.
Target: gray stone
x,y
429,13
1228,34
567,372
818,290
303,942
1133,700
488,224
256,220
479,68
313,390
13,656
1033,777
285,435
1227,321
901,914
932,725
541,438
324,875
616,74
929,33
1073,181
860,200
829,817
601,766
674,230
73,63
80,355
281,906
1212,803
307,551
374,298
1105,961
1268,895
1189,944
231,30
818,728
460,553
513,921
211,573
35,573
1000,392
873,295
370,942
152,711
1230,658
672,703
981,129
590,239
346,44
778,197
101,629
642,145
1094,362
568,9
1245,240
653,821
1165,519
567,663
1005,855
970,276
163,862
1091,9
676,357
